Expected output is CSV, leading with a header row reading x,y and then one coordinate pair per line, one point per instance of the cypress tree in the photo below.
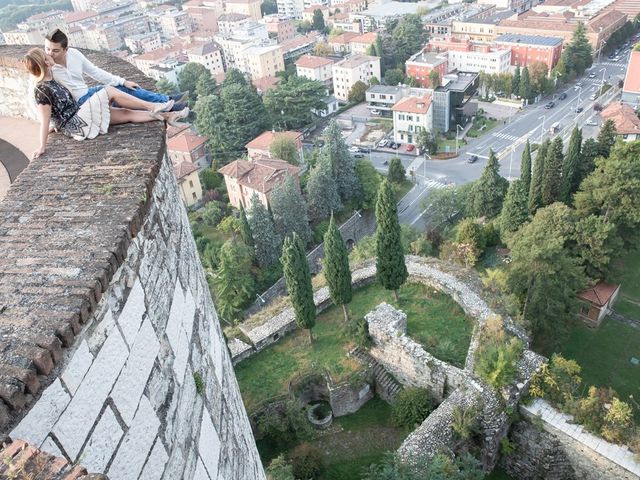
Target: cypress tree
x,y
525,84
233,284
606,138
552,172
570,166
515,211
342,163
535,190
266,240
489,190
298,279
396,173
245,229
391,269
525,168
515,81
290,210
322,193
336,268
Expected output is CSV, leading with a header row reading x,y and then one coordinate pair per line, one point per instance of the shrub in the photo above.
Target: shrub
x,y
411,407
618,422
358,330
306,461
397,173
284,423
319,231
558,381
464,422
279,469
471,232
497,357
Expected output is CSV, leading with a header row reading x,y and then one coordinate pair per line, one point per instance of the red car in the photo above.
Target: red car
x,y
410,148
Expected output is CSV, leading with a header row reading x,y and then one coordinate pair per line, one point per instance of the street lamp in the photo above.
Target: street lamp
x,y
543,117
457,127
603,70
511,161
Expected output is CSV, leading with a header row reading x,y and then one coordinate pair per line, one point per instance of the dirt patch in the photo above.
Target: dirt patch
x,y
339,443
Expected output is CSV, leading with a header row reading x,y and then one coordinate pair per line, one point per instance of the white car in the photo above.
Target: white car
x,y
593,96
354,149
375,111
383,142
591,122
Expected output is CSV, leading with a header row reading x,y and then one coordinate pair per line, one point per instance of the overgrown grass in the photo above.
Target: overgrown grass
x,y
434,319
401,189
627,272
476,130
604,355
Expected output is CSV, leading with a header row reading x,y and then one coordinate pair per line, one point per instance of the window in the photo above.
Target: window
x,y
193,194
191,183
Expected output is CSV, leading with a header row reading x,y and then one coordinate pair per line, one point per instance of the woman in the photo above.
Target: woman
x,y
56,104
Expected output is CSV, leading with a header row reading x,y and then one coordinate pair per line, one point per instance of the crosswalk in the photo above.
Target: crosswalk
x,y
506,136
435,184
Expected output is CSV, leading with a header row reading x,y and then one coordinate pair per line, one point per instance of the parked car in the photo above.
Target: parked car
x,y
562,96
410,148
365,150
354,149
395,145
550,105
593,96
358,155
579,109
383,143
375,111
472,159
579,84
592,122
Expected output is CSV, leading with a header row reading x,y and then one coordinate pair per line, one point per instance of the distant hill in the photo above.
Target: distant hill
x,y
13,12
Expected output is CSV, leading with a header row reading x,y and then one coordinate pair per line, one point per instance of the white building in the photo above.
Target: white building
x,y
488,61
411,115
229,23
291,8
315,68
379,13
208,55
351,70
143,43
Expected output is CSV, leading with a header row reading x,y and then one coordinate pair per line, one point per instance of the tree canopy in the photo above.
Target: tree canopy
x,y
290,210
489,190
291,102
578,54
336,268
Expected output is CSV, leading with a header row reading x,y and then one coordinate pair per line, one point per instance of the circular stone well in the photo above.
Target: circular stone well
x,y
320,415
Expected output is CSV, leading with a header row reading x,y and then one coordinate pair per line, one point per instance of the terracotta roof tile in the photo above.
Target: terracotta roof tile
x,y
312,61
624,118
183,169
263,141
261,173
369,38
185,142
599,294
632,78
21,458
413,104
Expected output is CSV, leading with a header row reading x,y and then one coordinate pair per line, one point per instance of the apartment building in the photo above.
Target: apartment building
x,y
342,43
143,43
412,115
384,97
420,66
528,49
189,147
208,55
280,27
261,145
263,61
291,8
481,59
170,21
513,5
315,68
362,43
351,70
250,8
631,86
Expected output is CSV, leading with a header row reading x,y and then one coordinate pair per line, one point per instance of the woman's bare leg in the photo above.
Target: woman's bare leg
x,y
125,115
125,100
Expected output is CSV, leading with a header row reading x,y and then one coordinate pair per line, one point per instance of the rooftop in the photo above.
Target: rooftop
x,y
261,174
599,294
343,38
263,141
459,82
312,61
624,117
493,19
529,39
186,142
413,104
183,169
356,60
368,38
232,17
632,78
427,58
395,9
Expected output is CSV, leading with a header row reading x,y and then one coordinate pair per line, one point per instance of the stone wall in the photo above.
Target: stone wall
x,y
112,351
550,446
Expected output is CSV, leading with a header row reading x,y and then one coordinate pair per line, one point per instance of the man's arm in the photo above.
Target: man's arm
x,y
102,76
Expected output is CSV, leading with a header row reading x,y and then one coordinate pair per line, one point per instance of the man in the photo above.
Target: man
x,y
71,66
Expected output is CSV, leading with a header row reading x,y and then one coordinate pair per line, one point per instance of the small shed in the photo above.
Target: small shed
x,y
596,301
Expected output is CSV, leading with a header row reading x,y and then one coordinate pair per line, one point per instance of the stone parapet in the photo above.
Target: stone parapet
x,y
112,355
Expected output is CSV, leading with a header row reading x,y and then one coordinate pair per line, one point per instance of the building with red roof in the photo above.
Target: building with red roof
x,y
596,301
315,68
190,147
625,120
631,87
259,146
411,115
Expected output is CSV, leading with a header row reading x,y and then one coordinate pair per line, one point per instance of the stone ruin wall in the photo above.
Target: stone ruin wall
x,y
113,356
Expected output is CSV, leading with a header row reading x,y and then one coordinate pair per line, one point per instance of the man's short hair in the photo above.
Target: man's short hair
x,y
57,36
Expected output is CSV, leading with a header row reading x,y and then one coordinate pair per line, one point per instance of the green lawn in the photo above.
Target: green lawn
x,y
627,272
475,131
352,443
434,319
604,355
402,188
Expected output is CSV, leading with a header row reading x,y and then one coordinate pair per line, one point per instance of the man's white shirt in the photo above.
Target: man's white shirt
x,y
78,65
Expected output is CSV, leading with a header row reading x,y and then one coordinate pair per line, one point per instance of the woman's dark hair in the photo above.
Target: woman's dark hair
x,y
57,36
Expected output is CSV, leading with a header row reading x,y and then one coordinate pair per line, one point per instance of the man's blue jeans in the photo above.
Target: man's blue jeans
x,y
140,93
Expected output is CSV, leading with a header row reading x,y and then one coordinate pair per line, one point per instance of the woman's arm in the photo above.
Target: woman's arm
x,y
45,116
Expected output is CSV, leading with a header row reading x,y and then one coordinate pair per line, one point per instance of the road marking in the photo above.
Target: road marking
x,y
506,136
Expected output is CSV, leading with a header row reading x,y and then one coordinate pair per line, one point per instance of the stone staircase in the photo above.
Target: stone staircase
x,y
387,387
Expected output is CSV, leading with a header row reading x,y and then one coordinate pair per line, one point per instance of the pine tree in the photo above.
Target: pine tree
x,y
290,210
342,163
336,268
205,85
298,279
233,284
234,76
525,168
578,54
489,190
189,75
211,121
322,193
245,229
537,177
588,156
397,173
570,166
606,138
245,115
552,172
515,210
525,84
266,239
515,81
391,269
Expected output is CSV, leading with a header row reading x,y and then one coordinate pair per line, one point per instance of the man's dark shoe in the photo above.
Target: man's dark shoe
x,y
178,106
181,97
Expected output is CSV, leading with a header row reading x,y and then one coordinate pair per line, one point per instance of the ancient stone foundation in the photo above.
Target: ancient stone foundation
x,y
112,355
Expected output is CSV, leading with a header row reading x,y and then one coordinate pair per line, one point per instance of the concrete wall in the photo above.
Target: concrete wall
x,y
123,365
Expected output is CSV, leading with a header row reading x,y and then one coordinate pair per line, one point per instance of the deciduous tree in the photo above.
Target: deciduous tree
x,y
357,92
284,148
397,172
370,181
336,268
391,269
298,279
